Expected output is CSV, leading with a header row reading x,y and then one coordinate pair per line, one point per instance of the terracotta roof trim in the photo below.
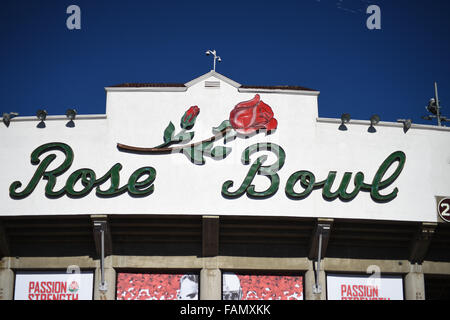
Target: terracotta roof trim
x,y
148,85
207,75
277,88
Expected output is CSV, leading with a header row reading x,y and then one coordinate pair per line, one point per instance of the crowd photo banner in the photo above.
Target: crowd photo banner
x,y
261,287
156,286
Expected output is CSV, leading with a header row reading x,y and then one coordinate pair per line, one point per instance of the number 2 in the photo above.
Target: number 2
x,y
445,212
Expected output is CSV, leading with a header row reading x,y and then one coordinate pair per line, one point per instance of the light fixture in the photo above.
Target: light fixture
x,y
41,115
375,119
406,124
71,114
432,106
8,116
345,118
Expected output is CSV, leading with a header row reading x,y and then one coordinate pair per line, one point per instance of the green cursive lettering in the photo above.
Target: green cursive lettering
x,y
258,168
87,177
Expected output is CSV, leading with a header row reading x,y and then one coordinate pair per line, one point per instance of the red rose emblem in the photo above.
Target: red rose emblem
x,y
188,119
249,116
73,287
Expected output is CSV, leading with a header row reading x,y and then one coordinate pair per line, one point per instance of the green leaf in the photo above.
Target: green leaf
x,y
219,153
183,137
168,133
223,125
230,136
205,147
194,155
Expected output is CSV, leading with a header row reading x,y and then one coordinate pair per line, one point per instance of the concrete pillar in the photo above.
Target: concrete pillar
x,y
6,281
415,283
310,281
110,278
210,284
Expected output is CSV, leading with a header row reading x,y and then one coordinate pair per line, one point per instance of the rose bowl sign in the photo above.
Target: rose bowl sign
x,y
246,120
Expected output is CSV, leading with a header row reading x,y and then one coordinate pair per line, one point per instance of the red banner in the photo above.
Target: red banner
x,y
146,286
262,287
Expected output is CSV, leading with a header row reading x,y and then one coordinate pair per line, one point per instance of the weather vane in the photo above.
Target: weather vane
x,y
216,57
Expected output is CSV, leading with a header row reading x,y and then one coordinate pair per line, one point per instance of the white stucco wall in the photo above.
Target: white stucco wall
x,y
139,117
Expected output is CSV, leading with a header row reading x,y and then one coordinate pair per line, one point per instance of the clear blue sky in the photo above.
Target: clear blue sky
x,y
323,45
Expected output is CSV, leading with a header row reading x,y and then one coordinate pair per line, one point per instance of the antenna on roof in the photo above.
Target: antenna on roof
x,y
213,52
434,108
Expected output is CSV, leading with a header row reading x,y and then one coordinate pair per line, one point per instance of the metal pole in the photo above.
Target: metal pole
x,y
317,288
438,111
101,227
103,260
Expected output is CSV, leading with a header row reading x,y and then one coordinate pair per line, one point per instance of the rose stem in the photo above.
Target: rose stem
x,y
220,135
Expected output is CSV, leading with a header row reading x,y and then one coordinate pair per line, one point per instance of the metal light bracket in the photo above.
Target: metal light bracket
x,y
100,226
322,230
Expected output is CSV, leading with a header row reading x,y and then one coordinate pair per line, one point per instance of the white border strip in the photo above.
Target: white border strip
x,y
383,124
282,91
59,117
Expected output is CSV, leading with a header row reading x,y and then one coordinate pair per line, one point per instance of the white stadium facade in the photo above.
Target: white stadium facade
x,y
215,190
